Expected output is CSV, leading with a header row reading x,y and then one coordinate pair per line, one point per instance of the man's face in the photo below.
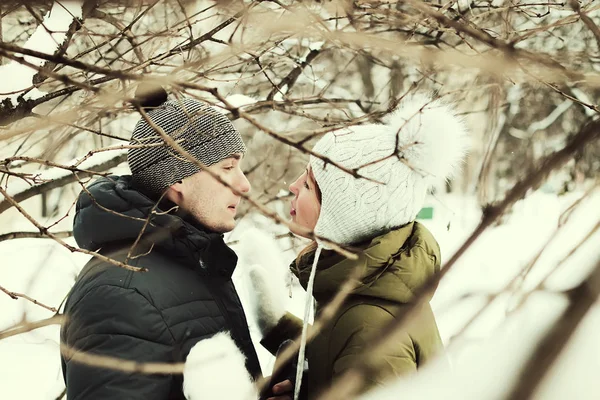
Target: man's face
x,y
211,203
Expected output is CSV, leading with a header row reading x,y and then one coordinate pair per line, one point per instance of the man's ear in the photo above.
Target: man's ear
x,y
174,192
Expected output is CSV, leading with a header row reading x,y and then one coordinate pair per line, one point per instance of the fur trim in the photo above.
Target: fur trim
x,y
255,246
215,369
433,139
267,298
265,268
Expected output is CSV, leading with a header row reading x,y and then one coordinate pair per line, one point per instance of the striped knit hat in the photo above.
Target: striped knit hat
x,y
200,129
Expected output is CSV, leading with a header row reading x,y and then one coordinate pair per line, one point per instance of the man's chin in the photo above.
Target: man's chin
x,y
225,226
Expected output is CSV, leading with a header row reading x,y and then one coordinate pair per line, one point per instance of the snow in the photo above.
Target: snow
x,y
240,100
46,39
45,271
485,358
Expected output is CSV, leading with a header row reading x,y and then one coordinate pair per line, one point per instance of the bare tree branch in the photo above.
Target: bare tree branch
x,y
28,327
581,299
291,78
28,235
44,230
65,180
586,20
588,134
16,296
120,364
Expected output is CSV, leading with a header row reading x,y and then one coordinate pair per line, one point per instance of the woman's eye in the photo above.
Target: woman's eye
x,y
228,168
306,185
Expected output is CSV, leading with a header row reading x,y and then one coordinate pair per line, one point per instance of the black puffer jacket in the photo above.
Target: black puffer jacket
x,y
155,316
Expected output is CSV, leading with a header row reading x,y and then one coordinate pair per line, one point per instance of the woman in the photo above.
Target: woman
x,y
374,213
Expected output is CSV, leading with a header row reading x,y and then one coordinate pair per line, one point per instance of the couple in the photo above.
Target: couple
x,y
169,218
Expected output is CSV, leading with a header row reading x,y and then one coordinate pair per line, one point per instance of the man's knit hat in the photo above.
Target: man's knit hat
x,y
423,139
200,129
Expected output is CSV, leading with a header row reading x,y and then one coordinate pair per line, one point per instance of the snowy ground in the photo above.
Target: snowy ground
x,y
485,357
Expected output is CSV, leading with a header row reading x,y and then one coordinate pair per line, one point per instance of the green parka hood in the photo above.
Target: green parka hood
x,y
393,266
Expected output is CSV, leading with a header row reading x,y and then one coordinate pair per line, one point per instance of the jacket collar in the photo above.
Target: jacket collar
x,y
112,211
392,266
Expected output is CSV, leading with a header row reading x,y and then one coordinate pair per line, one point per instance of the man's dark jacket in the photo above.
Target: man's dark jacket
x,y
185,296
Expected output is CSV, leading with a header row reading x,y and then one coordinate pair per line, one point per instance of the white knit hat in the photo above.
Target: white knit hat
x,y
431,142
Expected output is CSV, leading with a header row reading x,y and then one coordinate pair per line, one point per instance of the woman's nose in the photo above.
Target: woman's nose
x,y
293,188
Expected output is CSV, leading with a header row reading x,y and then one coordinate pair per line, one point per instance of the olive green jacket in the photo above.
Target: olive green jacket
x,y
392,267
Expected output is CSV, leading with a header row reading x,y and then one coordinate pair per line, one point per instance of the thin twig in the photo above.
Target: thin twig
x,y
120,364
72,249
586,20
291,78
16,296
28,327
56,183
28,235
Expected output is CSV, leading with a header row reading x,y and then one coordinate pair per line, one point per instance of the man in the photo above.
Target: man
x,y
168,217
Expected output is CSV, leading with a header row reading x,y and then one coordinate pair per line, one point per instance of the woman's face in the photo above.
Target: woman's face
x,y
306,204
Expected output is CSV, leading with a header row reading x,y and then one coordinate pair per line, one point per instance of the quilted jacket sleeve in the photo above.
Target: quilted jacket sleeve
x,y
115,322
355,332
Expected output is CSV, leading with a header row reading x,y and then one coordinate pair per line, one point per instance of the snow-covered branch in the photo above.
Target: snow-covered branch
x,y
48,37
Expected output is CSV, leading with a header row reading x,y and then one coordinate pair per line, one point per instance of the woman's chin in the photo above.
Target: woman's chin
x,y
298,230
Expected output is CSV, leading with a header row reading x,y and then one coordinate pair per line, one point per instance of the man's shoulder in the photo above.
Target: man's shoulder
x,y
165,281
99,271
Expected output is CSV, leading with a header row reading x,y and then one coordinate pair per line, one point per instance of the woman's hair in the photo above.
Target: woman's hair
x,y
313,245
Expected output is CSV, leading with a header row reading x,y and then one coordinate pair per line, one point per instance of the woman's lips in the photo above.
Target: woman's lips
x,y
293,209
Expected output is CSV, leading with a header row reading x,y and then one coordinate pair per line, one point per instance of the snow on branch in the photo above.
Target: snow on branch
x,y
64,175
48,37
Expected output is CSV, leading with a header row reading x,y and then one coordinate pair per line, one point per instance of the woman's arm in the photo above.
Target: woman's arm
x,y
288,327
356,332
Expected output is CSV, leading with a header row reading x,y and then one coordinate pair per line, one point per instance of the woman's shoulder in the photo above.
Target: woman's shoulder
x,y
361,313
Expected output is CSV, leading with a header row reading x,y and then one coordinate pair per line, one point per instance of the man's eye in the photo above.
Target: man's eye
x,y
229,168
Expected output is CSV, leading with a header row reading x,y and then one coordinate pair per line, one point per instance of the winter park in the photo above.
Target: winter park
x,y
285,199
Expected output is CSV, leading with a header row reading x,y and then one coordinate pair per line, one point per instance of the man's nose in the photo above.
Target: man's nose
x,y
244,184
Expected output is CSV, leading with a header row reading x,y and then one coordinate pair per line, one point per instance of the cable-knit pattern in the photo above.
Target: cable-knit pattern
x,y
430,141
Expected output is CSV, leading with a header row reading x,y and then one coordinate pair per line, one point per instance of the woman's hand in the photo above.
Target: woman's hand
x,y
283,391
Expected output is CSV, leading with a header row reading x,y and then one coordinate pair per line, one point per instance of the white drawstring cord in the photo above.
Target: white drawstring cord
x,y
307,312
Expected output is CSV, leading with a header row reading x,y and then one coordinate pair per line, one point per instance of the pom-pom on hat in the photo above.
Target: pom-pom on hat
x,y
421,141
